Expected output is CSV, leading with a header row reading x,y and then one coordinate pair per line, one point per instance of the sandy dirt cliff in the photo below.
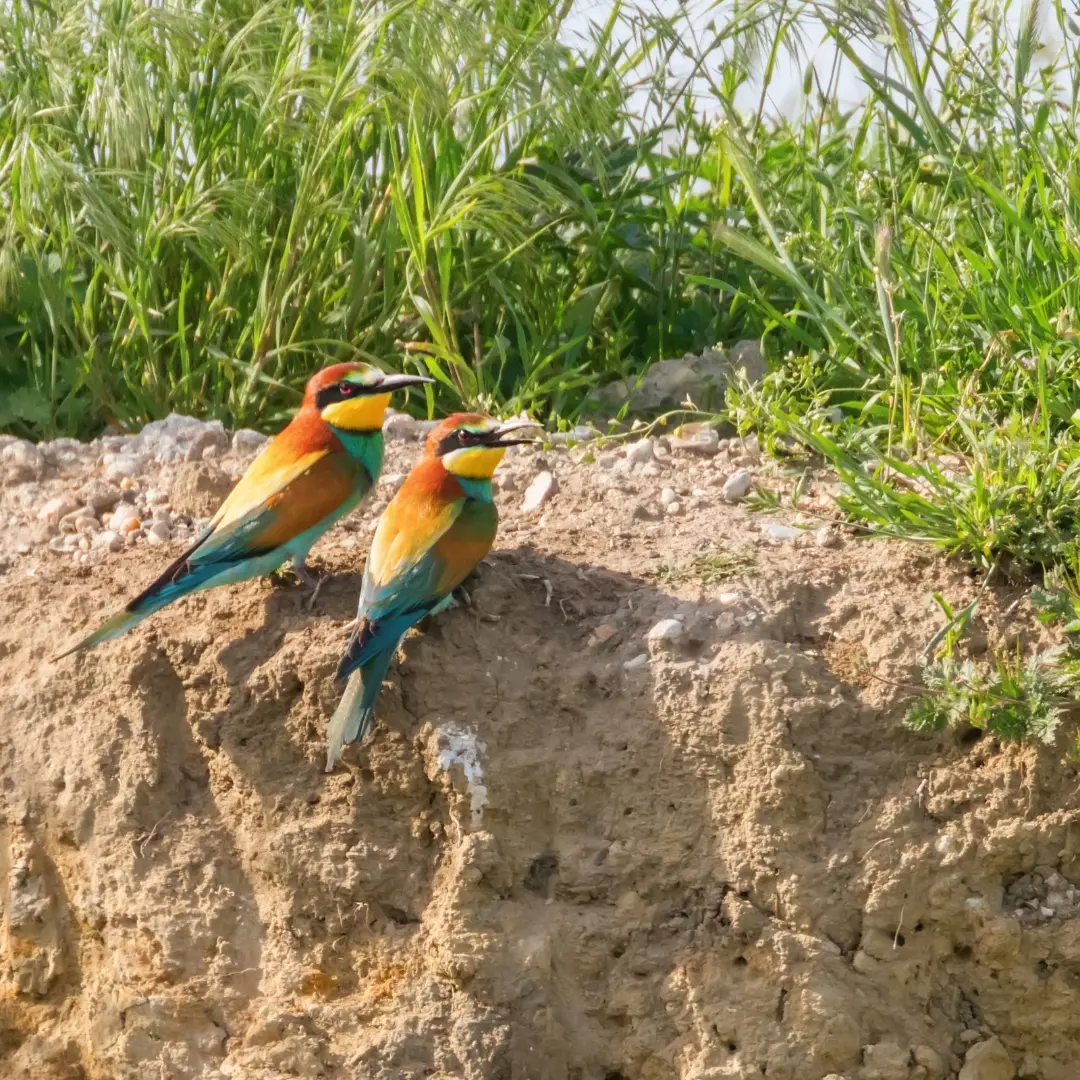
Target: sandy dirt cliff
x,y
624,818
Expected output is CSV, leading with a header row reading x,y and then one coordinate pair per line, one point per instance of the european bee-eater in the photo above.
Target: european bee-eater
x,y
436,529
310,475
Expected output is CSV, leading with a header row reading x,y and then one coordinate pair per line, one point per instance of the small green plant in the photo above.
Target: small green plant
x,y
1013,697
708,568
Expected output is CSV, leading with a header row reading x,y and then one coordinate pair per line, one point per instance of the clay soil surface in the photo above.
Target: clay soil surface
x,y
727,859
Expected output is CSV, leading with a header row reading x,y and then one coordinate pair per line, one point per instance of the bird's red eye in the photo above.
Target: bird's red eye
x,y
345,388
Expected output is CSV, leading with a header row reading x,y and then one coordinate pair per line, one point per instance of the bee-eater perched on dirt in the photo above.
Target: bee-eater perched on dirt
x,y
311,474
436,529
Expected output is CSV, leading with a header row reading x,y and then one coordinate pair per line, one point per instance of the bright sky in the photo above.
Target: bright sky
x,y
785,93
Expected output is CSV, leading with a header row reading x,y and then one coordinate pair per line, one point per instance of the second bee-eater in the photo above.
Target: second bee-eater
x,y
310,475
435,530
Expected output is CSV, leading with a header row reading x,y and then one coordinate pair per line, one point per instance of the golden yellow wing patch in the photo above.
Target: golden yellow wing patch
x,y
407,531
268,474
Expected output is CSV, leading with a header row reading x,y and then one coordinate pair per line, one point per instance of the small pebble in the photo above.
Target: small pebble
x,y
673,509
637,453
667,496
826,537
542,488
696,439
778,532
57,508
119,518
159,532
666,630
737,486
638,663
108,540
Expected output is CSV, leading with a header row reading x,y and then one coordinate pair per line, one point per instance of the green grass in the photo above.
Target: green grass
x,y
198,208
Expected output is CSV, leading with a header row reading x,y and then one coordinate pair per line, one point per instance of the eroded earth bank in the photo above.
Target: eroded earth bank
x,y
569,852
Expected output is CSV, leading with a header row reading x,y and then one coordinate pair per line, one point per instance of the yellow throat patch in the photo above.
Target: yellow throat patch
x,y
474,462
363,413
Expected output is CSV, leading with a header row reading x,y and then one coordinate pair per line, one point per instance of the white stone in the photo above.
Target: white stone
x,y
637,453
778,532
20,462
637,663
22,452
245,441
58,507
123,513
826,537
87,523
704,440
167,450
542,488
184,429
108,540
99,496
673,509
401,426
122,466
667,495
737,486
666,630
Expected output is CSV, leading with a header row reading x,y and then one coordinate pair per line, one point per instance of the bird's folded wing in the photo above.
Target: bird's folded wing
x,y
272,505
403,564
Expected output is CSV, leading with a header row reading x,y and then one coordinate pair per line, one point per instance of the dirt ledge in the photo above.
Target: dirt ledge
x,y
729,862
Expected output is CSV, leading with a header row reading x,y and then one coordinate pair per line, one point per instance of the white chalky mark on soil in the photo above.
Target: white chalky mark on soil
x,y
463,748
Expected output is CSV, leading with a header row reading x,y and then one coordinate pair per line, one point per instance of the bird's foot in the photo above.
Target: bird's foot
x,y
309,581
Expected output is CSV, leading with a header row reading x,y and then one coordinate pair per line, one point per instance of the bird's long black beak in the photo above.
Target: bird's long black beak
x,y
500,436
399,382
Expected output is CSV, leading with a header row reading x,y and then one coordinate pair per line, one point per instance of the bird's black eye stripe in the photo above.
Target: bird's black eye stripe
x,y
339,391
459,439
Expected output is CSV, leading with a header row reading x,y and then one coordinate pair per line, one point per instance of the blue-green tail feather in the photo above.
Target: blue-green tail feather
x,y
356,710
